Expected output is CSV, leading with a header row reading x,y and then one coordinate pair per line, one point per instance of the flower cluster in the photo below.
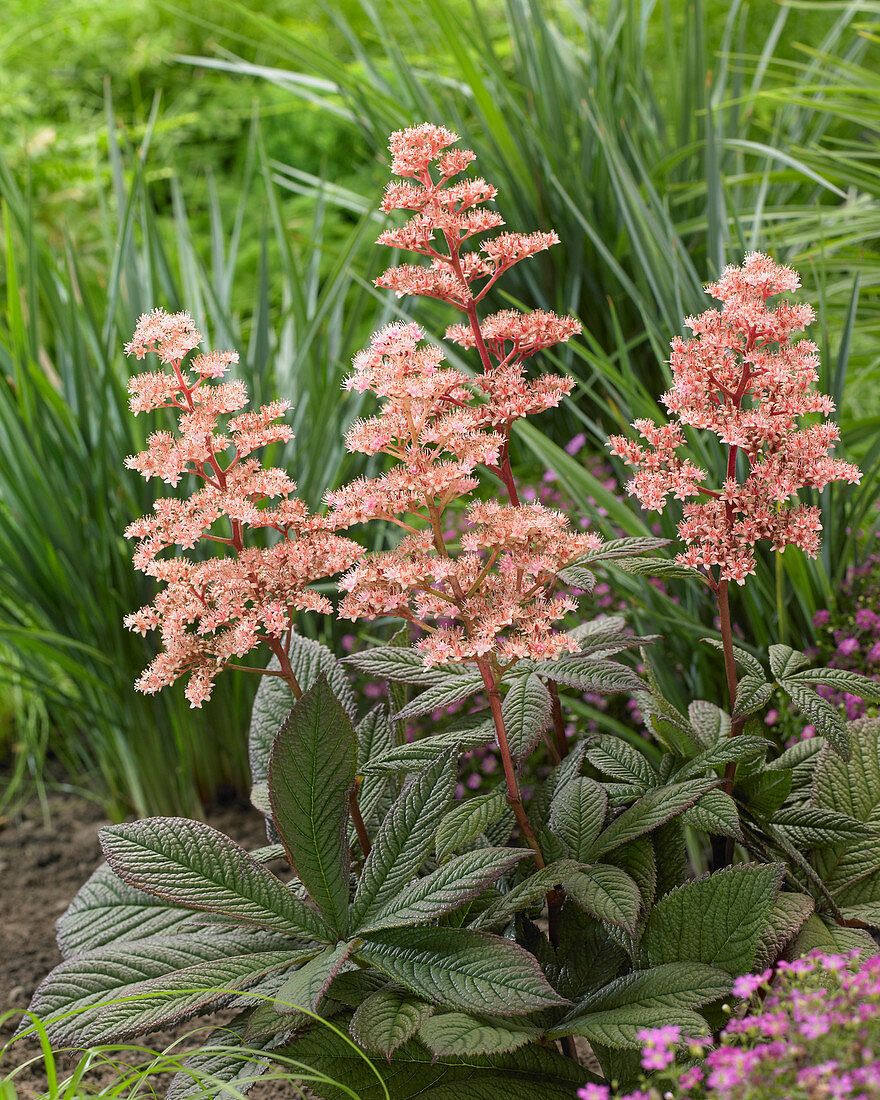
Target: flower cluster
x,y
808,1032
490,598
742,378
446,216
221,607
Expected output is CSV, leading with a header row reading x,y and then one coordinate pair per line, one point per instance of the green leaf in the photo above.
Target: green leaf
x,y
652,809
740,748
73,998
417,755
784,661
239,1068
817,826
614,757
405,838
188,863
307,986
826,718
577,815
311,772
718,920
527,893
752,693
714,814
107,910
577,577
404,665
787,916
664,994
606,893
274,699
458,1033
386,1019
526,713
452,884
661,567
851,787
841,679
466,821
461,969
869,913
709,722
765,792
594,674
623,548
743,658
452,689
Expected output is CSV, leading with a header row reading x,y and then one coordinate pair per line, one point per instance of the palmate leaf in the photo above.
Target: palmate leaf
x,y
534,1072
827,719
162,972
752,693
664,994
466,821
851,787
785,661
459,1033
274,699
107,910
452,884
606,893
577,815
459,968
190,864
653,808
387,1019
311,772
719,920
405,838
841,679
526,713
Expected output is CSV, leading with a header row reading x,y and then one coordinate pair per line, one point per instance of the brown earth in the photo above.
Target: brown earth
x,y
43,862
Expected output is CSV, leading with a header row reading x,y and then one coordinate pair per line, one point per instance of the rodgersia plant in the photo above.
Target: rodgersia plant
x,y
415,921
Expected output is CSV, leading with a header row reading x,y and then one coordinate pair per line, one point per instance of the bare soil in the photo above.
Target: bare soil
x,y
42,865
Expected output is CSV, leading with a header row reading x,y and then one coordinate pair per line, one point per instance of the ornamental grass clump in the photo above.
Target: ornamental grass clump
x,y
458,943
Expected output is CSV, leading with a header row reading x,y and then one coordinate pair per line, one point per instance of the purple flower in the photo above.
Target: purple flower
x,y
865,618
847,647
594,1092
821,618
575,444
746,985
771,717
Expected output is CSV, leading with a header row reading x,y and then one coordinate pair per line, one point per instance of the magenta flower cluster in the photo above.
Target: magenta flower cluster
x,y
808,1031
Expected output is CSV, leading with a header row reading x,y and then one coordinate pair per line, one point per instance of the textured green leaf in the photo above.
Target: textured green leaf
x,y
623,548
240,1068
867,914
718,920
827,719
740,748
638,860
606,893
273,700
752,693
742,656
405,838
452,884
661,567
817,826
577,577
527,893
311,772
307,986
851,787
841,679
420,754
784,661
375,735
652,809
80,988
664,994
188,863
458,1033
787,916
714,814
577,815
765,792
605,677
709,722
387,1019
107,910
831,937
533,1072
526,713
452,689
462,969
466,821
404,665
614,757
